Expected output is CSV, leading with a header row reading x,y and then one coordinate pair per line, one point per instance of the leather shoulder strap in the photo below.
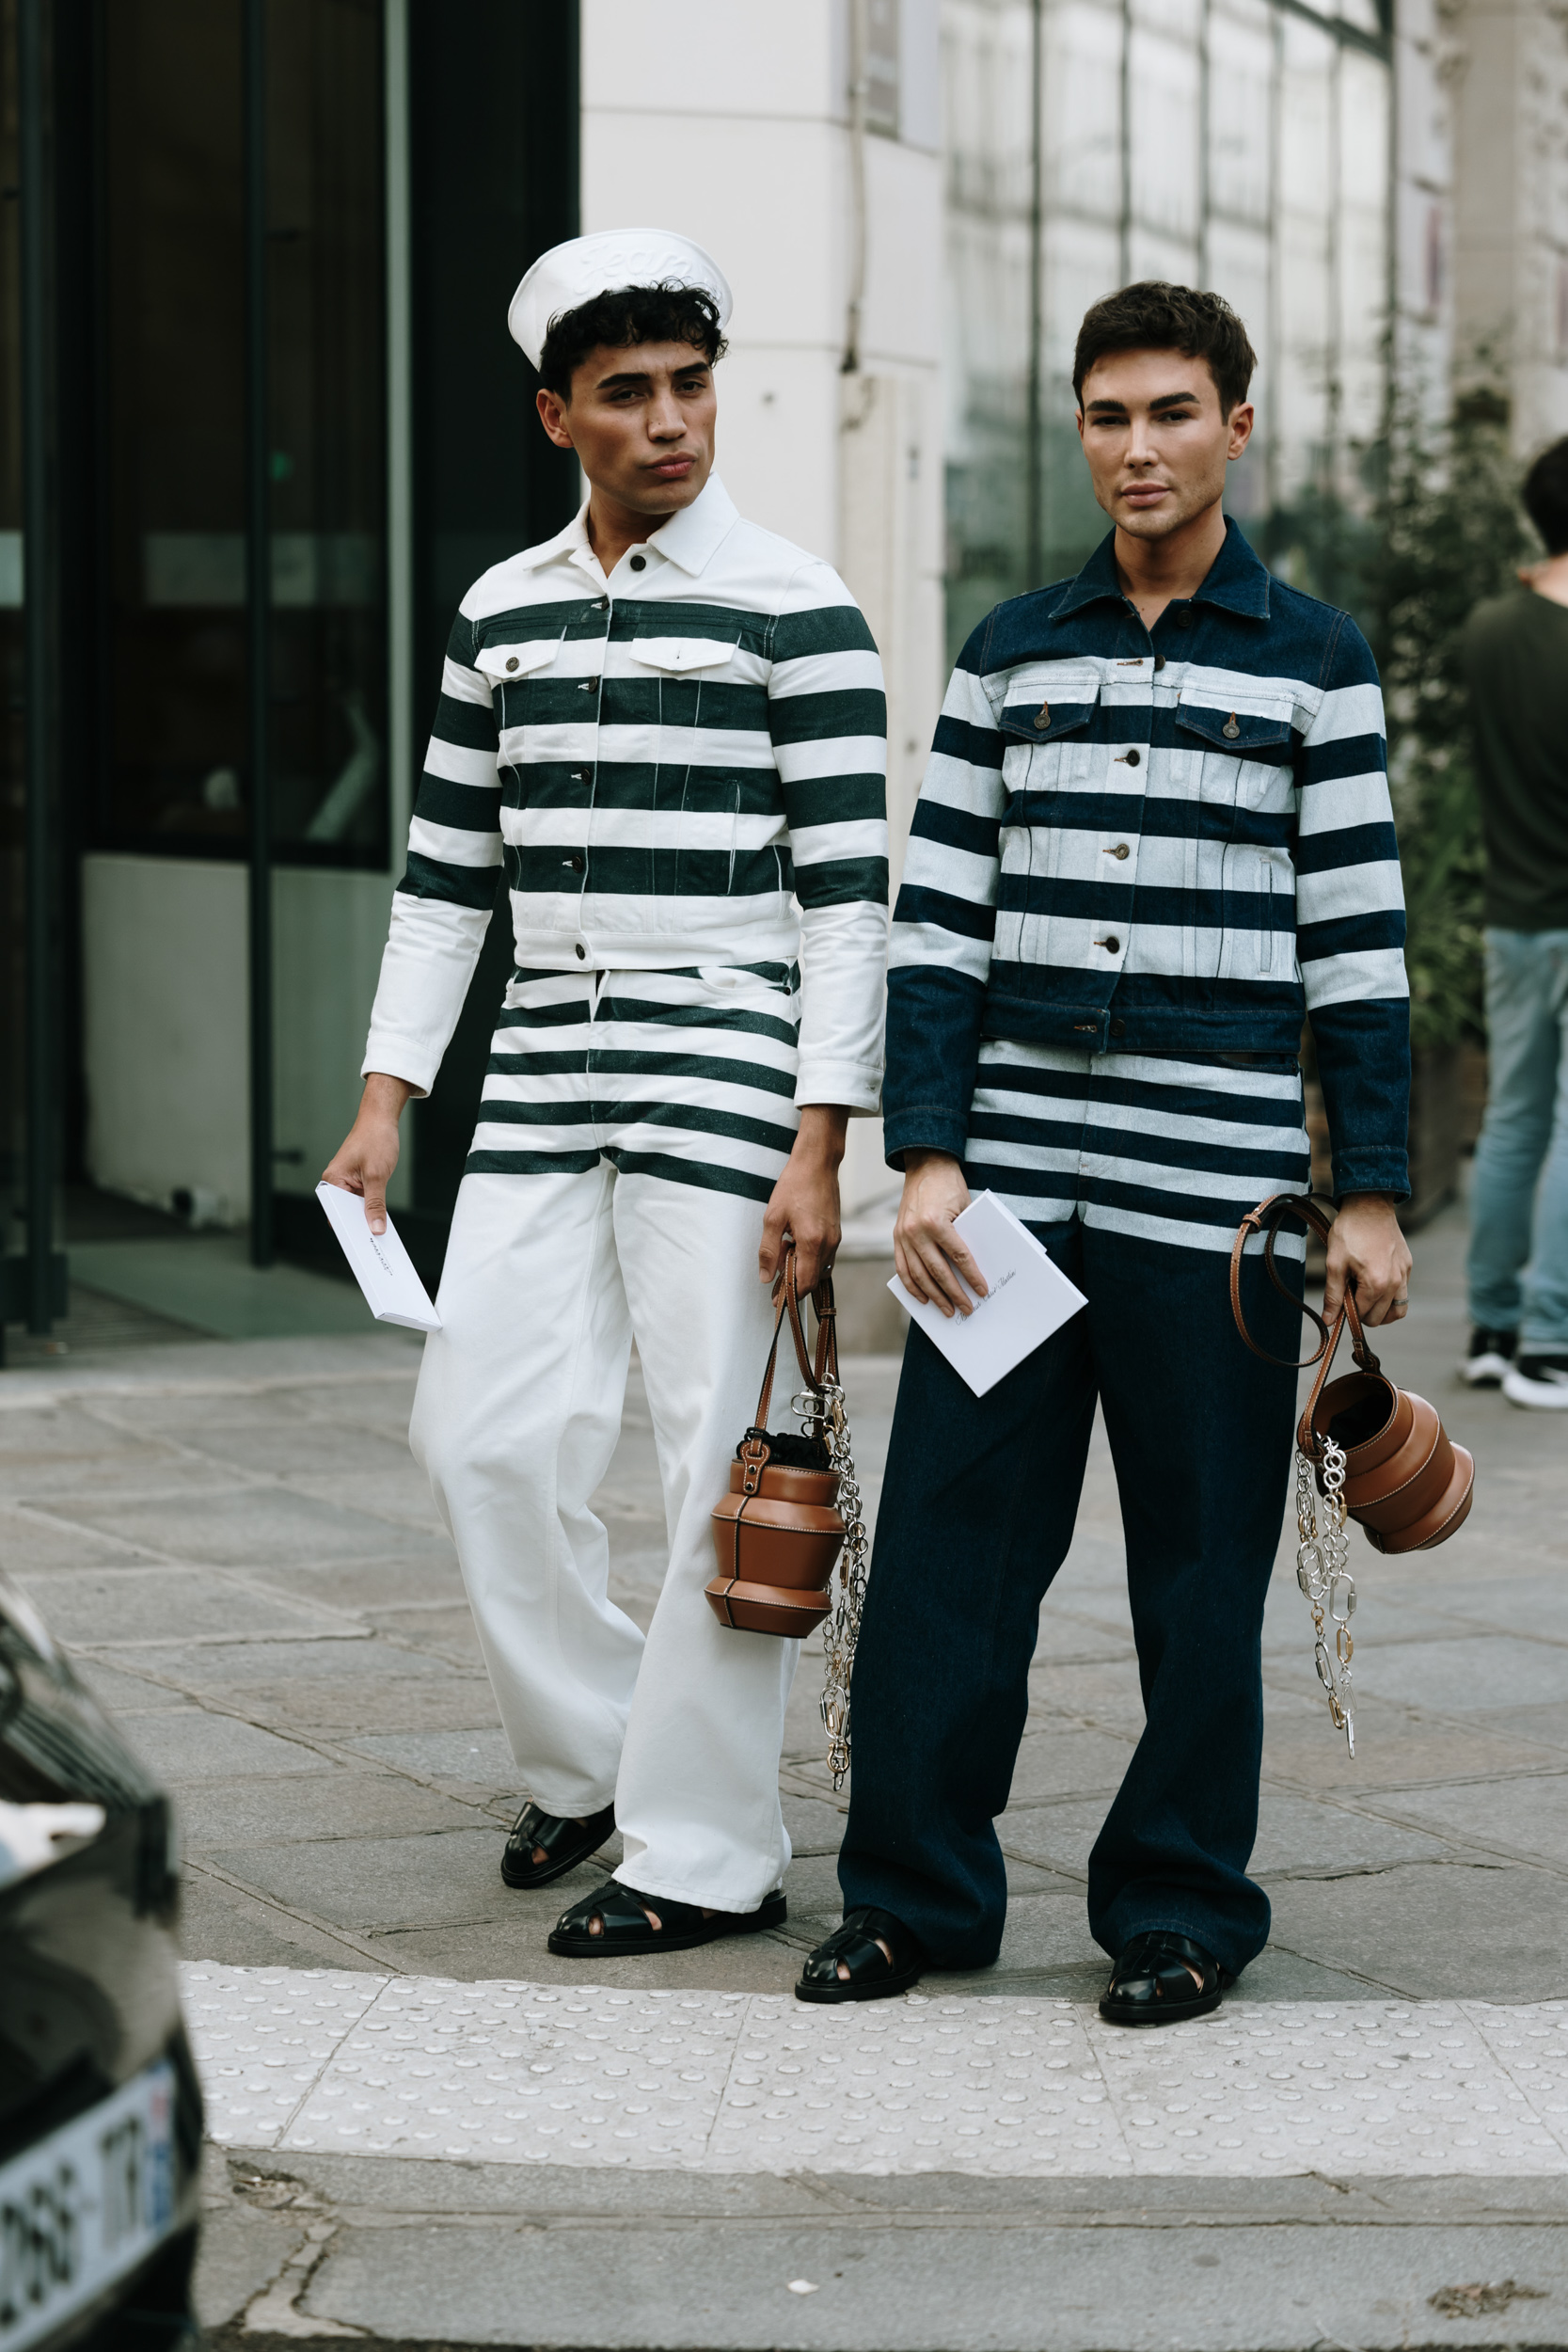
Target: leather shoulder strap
x,y
789,1304
1266,1219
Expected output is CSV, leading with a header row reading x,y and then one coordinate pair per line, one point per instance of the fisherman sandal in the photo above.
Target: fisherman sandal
x,y
625,1929
1160,1978
564,1844
872,1976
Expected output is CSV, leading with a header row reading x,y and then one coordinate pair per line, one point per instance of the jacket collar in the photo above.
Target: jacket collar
x,y
689,539
1236,579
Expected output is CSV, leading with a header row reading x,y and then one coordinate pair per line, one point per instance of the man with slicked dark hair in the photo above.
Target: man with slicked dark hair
x,y
1154,836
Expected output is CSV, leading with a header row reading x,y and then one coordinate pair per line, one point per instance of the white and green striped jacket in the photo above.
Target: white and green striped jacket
x,y
683,765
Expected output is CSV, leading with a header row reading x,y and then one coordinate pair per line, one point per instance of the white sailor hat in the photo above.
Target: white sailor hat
x,y
571,274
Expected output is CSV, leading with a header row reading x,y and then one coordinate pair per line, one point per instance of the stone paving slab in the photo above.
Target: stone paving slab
x,y
515,2073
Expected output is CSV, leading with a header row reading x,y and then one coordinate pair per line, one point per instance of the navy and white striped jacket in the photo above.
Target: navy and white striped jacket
x,y
681,765
1177,842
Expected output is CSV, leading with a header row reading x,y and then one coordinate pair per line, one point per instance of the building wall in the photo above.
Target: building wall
x,y
741,134
1510,208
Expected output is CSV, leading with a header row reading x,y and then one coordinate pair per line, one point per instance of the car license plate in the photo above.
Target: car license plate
x,y
84,2206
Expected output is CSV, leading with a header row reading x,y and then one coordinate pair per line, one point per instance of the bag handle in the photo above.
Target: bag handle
x,y
1265,1219
754,1452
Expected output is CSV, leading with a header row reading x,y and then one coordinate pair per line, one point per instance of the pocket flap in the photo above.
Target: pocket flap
x,y
512,662
1244,733
679,654
1038,710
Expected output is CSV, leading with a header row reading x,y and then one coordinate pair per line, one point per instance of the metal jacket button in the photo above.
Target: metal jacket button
x,y
1113,944
1159,661
581,952
601,604
1121,851
575,865
512,663
1042,716
639,562
1230,728
588,686
1119,1028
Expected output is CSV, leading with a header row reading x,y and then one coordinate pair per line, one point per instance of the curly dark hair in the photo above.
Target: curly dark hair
x,y
625,316
1154,316
1545,497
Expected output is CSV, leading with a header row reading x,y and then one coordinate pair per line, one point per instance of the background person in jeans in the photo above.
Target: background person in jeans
x,y
1516,664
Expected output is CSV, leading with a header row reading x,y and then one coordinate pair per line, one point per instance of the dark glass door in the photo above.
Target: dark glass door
x,y
171,777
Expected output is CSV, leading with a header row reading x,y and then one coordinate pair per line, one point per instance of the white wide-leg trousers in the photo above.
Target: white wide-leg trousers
x,y
548,1279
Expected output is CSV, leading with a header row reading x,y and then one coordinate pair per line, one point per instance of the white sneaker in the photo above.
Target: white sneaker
x,y
1488,1356
1538,1382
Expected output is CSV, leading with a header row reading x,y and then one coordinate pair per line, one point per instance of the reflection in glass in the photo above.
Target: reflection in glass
x,y
173,771
1284,211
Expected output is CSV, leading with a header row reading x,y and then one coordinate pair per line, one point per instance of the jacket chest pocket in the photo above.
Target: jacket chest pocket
x,y
1049,757
692,789
1047,732
1233,764
1047,727
511,670
530,700
1230,759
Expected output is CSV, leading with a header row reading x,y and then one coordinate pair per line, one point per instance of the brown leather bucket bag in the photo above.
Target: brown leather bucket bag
x,y
779,1531
1406,1483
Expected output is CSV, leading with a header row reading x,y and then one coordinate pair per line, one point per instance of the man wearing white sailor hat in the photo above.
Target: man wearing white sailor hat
x,y
667,726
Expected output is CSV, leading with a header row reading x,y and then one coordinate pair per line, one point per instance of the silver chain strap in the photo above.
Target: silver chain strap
x,y
1324,1573
841,1629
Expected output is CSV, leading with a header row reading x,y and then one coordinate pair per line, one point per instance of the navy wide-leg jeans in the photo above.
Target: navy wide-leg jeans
x,y
976,1517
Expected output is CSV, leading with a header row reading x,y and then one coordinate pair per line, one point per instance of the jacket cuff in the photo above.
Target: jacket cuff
x,y
854,1086
398,1058
1373,1171
929,1129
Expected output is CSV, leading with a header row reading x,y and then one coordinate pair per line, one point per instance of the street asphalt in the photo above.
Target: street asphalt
x,y
236,1545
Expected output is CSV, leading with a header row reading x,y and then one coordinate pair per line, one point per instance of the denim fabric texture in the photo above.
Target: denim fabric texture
x,y
1518,1268
976,1517
1177,841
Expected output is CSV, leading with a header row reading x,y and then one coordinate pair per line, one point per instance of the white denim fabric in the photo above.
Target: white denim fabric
x,y
548,1279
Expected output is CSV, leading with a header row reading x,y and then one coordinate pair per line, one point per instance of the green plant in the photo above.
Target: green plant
x,y
1439,528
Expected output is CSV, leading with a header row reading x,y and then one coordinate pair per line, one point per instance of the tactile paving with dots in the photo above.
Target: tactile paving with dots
x,y
262,2037
594,2076
528,2073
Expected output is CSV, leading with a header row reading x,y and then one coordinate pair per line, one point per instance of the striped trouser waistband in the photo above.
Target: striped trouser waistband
x,y
686,1075
1172,1150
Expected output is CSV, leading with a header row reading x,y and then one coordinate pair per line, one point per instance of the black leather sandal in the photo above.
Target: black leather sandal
x,y
872,1976
625,1929
564,1844
1151,1983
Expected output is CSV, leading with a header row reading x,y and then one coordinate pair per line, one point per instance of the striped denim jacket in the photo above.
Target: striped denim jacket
x,y
1175,843
681,766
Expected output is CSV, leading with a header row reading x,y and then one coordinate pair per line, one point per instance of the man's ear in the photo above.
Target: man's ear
x,y
552,416
1242,418
1078,419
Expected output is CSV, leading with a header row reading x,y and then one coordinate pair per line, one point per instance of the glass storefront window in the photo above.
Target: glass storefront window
x,y
1239,143
173,763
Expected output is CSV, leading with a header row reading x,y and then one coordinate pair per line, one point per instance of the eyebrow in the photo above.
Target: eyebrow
x,y
635,375
1161,400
